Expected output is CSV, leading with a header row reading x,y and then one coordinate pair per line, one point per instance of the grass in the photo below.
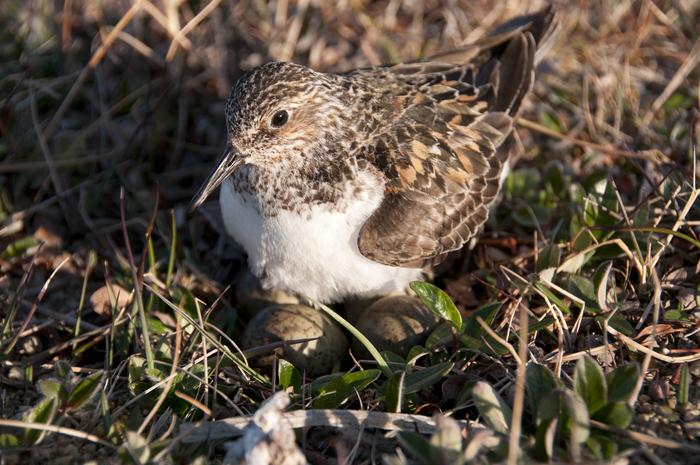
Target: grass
x,y
577,331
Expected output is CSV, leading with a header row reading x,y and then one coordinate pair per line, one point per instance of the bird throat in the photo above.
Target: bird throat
x,y
283,187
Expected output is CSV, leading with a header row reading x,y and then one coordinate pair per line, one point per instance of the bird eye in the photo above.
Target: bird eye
x,y
279,119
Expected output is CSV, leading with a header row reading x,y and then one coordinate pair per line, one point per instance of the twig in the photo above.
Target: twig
x,y
345,419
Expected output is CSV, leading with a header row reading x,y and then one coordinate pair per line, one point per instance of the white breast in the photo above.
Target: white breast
x,y
315,254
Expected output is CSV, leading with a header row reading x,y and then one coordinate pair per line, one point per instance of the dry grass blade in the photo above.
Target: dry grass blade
x,y
654,155
11,343
190,26
647,439
56,429
94,61
170,379
690,63
519,400
500,340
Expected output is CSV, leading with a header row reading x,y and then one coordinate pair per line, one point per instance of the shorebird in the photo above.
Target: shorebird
x,y
351,184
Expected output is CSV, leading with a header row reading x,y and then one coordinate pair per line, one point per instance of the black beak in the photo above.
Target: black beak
x,y
225,167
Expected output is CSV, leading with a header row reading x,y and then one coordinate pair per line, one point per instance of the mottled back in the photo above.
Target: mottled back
x,y
445,140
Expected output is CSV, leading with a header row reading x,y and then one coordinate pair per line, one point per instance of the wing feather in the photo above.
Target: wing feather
x,y
444,156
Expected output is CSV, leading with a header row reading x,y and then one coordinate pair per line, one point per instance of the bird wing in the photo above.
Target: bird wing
x,y
444,155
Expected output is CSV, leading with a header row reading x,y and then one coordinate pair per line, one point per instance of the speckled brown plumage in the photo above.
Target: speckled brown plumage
x,y
434,134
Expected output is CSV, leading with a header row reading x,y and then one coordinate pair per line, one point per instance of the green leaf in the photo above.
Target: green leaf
x,y
539,384
51,387
135,447
417,446
540,325
473,332
63,372
338,390
550,121
673,315
678,100
104,411
548,258
448,435
622,382
577,418
487,313
595,447
44,413
554,299
136,374
619,323
618,414
8,440
491,407
438,302
601,280
553,177
574,421
589,382
531,215
85,390
426,377
288,375
394,392
415,353
441,335
602,447
544,439
140,377
19,247
576,261
521,182
583,288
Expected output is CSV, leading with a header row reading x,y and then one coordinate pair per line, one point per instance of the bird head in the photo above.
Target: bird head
x,y
277,114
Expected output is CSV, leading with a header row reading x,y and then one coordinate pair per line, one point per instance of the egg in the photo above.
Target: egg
x,y
287,322
251,298
395,324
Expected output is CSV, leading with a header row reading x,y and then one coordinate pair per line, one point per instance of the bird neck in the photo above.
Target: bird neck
x,y
296,186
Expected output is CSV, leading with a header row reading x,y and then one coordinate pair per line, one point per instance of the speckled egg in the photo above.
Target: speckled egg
x,y
295,321
395,323
251,298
